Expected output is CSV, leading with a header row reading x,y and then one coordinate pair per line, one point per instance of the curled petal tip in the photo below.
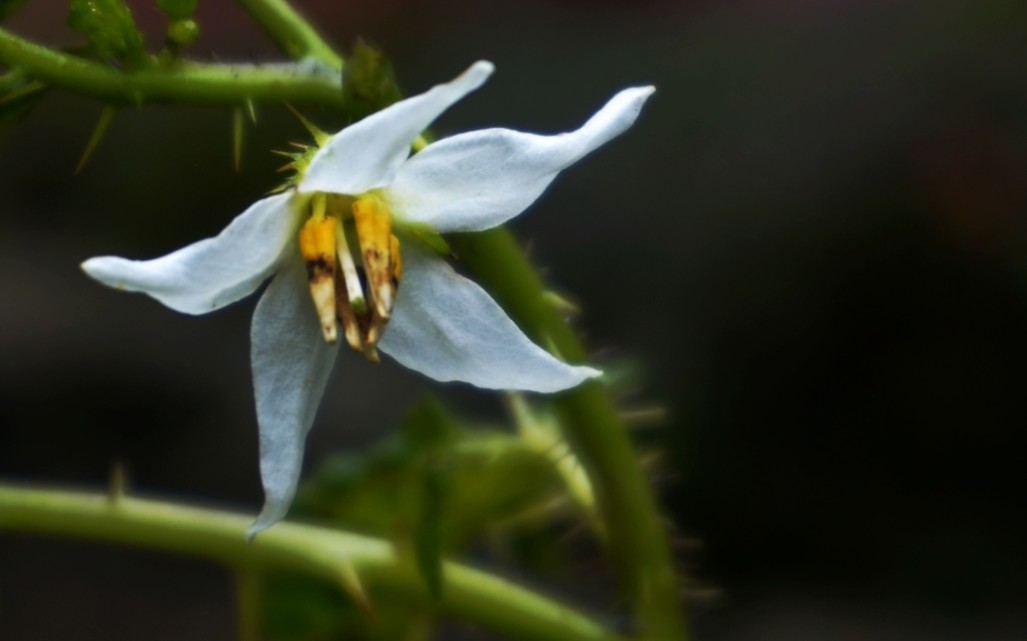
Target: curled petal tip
x,y
480,71
101,268
640,94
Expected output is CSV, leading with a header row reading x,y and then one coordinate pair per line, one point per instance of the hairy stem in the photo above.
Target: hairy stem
x,y
596,431
329,554
293,34
183,82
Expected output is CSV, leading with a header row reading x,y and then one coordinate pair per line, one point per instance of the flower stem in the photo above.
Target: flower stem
x,y
181,82
293,34
596,431
319,552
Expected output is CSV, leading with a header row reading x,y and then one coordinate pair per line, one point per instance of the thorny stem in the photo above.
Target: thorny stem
x,y
181,82
596,432
472,594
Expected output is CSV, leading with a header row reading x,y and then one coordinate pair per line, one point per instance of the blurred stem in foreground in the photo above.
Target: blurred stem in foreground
x,y
595,430
325,553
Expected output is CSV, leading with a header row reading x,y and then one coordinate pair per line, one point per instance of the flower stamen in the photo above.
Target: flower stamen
x,y
374,231
317,239
353,290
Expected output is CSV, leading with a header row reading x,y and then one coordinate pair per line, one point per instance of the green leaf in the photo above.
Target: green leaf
x,y
429,426
299,608
368,82
9,7
437,486
428,536
109,27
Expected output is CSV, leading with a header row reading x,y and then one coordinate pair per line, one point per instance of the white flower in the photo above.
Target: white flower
x,y
364,195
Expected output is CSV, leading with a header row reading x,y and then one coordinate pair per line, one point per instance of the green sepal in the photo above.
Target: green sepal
x,y
428,534
297,165
427,235
109,27
368,81
320,136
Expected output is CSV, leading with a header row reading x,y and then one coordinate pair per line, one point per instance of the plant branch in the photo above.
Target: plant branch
x,y
182,82
293,34
319,552
596,431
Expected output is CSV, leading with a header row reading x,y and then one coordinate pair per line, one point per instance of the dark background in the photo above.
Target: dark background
x,y
812,243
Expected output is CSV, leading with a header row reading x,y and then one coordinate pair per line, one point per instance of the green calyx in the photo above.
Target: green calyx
x,y
299,161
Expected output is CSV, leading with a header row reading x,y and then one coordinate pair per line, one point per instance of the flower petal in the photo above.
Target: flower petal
x,y
366,155
447,327
213,272
481,179
291,366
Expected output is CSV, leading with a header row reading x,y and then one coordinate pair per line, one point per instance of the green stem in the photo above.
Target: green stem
x,y
596,431
319,552
184,82
293,34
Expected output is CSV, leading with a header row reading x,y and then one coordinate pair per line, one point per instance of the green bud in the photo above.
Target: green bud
x,y
177,9
183,32
368,84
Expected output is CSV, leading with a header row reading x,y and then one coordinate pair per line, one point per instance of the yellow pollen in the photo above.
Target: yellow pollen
x,y
336,285
318,247
374,232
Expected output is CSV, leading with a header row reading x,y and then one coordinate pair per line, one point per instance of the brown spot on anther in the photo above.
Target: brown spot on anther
x,y
319,268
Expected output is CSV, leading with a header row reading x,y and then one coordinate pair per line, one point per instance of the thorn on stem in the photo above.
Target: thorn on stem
x,y
118,487
251,109
350,582
106,116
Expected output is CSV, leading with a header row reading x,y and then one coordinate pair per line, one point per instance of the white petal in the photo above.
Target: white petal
x,y
366,155
447,327
213,272
481,179
291,366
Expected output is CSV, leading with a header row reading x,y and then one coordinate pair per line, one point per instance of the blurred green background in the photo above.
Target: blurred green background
x,y
812,245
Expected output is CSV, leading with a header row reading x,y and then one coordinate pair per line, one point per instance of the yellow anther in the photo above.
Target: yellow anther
x,y
318,247
397,259
377,244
